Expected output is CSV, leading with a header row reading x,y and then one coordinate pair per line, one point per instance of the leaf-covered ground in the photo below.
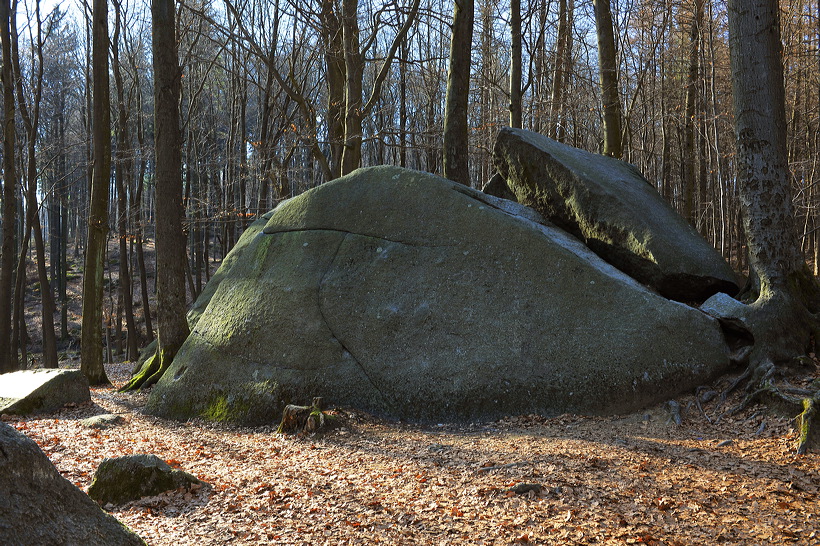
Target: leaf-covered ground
x,y
638,479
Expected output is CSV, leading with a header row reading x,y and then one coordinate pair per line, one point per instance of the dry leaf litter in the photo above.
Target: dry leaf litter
x,y
637,479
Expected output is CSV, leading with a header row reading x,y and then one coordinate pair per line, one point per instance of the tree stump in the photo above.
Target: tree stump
x,y
307,419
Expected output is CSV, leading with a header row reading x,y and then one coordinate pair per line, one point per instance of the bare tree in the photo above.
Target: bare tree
x,y
172,326
91,344
608,73
8,359
456,159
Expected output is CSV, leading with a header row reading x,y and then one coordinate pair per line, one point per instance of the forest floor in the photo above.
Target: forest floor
x,y
635,479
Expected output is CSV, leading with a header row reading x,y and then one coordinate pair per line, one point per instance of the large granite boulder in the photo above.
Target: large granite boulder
x,y
611,207
408,295
122,479
40,507
42,391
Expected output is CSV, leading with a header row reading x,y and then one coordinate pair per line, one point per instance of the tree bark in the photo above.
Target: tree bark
x,y
8,360
354,72
689,157
172,325
562,43
608,73
456,156
91,352
123,173
515,64
784,291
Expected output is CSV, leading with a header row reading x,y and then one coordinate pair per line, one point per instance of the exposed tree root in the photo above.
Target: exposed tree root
x,y
762,387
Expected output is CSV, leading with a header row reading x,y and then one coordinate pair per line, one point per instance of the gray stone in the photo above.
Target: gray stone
x,y
404,294
124,479
611,207
42,391
106,420
40,507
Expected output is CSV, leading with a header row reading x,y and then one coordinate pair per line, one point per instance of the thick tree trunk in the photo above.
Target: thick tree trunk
x,y
608,71
171,251
783,288
456,156
91,342
8,360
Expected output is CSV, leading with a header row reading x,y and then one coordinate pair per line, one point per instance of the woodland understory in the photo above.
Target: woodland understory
x,y
718,477
633,479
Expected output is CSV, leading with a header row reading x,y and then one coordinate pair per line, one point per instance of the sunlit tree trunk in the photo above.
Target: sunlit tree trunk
x,y
608,72
782,287
172,326
456,158
91,343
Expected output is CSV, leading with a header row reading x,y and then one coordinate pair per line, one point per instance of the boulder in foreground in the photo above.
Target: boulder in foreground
x,y
609,205
407,295
40,507
124,479
41,391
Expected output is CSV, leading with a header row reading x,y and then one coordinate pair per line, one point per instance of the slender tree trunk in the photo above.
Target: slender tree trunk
x,y
8,360
354,71
335,67
689,157
561,45
608,71
515,64
123,173
456,156
91,342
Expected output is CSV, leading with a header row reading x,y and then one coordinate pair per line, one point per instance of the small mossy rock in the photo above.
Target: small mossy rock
x,y
407,295
124,479
609,205
41,391
39,506
106,420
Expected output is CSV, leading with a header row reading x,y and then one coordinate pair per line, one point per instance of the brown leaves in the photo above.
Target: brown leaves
x,y
527,480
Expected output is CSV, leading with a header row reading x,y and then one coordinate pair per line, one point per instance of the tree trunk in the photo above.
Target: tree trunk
x,y
515,64
91,343
171,252
689,157
123,174
456,156
783,289
8,360
354,71
335,67
562,42
608,72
